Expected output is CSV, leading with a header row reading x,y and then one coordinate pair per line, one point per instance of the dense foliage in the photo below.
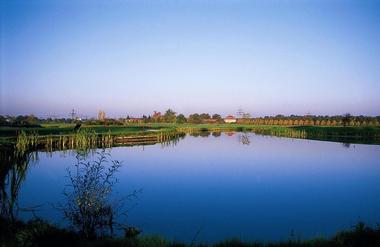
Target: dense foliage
x,y
341,120
40,233
195,118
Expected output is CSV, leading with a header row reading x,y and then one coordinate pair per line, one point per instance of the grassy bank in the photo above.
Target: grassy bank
x,y
41,233
370,135
62,132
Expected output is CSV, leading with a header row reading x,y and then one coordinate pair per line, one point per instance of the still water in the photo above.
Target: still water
x,y
238,185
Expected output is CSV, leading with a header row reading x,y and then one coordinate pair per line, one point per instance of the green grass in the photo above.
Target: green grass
x,y
69,129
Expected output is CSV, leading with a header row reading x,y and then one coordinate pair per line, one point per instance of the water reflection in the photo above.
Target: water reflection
x,y
200,134
171,143
249,191
87,205
15,161
244,139
14,165
216,133
346,145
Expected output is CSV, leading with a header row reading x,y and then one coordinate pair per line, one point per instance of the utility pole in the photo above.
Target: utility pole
x,y
240,112
72,114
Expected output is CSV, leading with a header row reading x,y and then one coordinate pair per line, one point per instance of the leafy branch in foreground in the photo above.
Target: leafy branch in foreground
x,y
88,200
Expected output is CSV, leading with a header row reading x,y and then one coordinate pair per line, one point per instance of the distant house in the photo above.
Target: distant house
x,y
230,119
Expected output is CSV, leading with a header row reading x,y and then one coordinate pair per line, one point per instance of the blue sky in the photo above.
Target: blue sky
x,y
133,57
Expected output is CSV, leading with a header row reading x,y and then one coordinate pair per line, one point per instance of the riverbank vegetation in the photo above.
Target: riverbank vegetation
x,y
198,118
65,136
40,233
71,133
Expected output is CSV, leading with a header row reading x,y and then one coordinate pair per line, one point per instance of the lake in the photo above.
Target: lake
x,y
230,185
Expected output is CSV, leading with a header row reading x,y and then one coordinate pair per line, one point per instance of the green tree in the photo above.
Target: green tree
x,y
195,118
181,119
346,119
31,120
3,120
169,116
205,116
218,118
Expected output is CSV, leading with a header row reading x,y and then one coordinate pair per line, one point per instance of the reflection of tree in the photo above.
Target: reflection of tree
x,y
204,134
216,133
346,145
194,134
173,142
244,139
200,133
14,164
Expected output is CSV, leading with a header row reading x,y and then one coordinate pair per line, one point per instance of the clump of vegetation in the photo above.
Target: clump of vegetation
x,y
26,141
20,121
40,233
84,139
36,232
88,199
107,140
181,119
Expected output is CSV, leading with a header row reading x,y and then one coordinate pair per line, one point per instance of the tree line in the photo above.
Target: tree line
x,y
171,116
311,120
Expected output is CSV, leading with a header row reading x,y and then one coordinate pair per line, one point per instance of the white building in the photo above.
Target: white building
x,y
230,119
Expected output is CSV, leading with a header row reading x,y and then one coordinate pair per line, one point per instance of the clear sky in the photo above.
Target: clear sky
x,y
133,57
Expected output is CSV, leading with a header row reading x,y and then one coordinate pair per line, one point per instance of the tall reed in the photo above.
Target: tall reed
x,y
26,141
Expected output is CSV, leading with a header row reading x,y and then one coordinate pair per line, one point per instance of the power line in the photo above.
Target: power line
x,y
72,114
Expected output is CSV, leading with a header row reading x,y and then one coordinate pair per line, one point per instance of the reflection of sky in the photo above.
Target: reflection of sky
x,y
260,191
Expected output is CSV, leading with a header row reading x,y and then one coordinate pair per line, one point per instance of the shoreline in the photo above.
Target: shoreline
x,y
115,135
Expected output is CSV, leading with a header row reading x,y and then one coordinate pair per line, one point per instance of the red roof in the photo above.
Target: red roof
x,y
230,117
